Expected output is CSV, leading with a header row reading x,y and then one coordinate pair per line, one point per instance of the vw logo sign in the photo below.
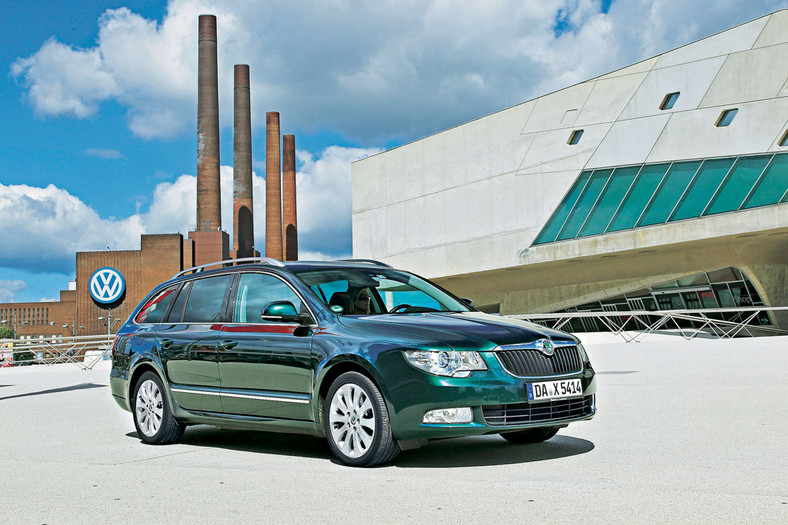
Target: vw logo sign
x,y
106,285
546,346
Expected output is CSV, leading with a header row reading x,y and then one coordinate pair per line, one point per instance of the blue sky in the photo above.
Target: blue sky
x,y
98,101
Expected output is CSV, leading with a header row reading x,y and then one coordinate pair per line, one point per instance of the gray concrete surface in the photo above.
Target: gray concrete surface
x,y
687,432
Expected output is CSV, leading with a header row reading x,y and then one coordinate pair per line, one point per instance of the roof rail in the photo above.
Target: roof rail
x,y
369,261
228,262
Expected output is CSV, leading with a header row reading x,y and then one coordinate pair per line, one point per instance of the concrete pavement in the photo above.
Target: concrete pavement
x,y
687,432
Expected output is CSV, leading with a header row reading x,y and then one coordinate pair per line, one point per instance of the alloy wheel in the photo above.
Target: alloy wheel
x,y
352,420
149,408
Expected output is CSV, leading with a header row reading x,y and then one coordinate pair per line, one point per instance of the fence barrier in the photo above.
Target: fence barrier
x,y
84,350
633,326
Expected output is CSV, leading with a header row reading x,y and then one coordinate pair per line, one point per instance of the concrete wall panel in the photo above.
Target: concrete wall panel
x,y
733,40
762,121
629,142
608,99
775,30
551,152
749,76
641,67
690,80
549,111
477,150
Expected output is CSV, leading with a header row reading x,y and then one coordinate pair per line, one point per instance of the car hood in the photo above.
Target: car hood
x,y
461,330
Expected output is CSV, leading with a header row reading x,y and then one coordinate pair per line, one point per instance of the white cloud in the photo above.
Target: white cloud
x,y
369,70
9,289
104,153
54,225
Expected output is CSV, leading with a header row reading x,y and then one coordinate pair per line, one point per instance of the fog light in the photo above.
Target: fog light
x,y
449,415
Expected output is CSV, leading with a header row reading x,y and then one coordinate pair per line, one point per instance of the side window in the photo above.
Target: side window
x,y
176,313
256,292
154,309
204,304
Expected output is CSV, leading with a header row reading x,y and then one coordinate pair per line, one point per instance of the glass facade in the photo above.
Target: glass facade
x,y
614,199
723,288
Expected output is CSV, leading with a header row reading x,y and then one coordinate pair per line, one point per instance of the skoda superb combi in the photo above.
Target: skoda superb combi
x,y
375,359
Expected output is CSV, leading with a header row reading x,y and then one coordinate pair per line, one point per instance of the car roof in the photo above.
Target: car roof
x,y
275,265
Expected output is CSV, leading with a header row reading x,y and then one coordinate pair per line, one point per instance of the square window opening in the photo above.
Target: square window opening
x,y
574,137
669,100
726,117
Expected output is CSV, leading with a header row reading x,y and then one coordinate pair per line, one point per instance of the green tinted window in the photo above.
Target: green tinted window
x,y
205,300
619,183
673,186
647,181
738,184
704,185
584,204
773,185
553,226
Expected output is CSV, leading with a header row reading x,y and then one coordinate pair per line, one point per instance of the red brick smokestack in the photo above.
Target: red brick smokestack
x,y
289,214
243,223
273,188
209,206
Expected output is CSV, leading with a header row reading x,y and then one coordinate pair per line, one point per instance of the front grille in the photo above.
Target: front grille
x,y
522,413
532,362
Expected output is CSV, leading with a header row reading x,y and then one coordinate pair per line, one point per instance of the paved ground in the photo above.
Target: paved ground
x,y
692,432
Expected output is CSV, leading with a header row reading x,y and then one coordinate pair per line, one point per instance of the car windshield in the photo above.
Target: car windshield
x,y
351,291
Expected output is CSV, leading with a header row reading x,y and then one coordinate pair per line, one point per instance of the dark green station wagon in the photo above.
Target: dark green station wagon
x,y
375,359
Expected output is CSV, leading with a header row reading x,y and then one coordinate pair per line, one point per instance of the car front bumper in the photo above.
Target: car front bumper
x,y
498,400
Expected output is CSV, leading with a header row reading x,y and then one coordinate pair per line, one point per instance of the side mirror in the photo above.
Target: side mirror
x,y
468,302
283,311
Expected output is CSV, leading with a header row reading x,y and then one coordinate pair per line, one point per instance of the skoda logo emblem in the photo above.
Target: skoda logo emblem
x,y
106,285
546,346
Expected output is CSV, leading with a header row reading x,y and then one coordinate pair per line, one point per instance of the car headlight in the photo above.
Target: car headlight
x,y
448,363
583,352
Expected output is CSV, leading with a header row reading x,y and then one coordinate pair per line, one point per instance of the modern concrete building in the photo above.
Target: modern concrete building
x,y
661,185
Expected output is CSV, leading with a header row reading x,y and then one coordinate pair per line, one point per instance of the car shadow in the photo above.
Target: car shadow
x,y
254,441
481,451
81,386
446,453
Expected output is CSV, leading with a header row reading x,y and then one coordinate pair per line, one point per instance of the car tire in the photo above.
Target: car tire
x,y
529,436
356,422
152,413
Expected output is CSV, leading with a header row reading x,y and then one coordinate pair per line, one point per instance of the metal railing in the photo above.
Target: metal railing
x,y
636,325
84,350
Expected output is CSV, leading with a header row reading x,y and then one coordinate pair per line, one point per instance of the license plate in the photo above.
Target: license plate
x,y
554,389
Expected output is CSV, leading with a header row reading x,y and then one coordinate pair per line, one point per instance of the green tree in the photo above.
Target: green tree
x,y
6,333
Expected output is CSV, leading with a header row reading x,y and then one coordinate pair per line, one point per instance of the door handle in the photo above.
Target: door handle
x,y
166,343
228,344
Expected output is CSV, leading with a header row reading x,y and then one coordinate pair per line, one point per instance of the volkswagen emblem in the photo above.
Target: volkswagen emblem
x,y
106,285
546,346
